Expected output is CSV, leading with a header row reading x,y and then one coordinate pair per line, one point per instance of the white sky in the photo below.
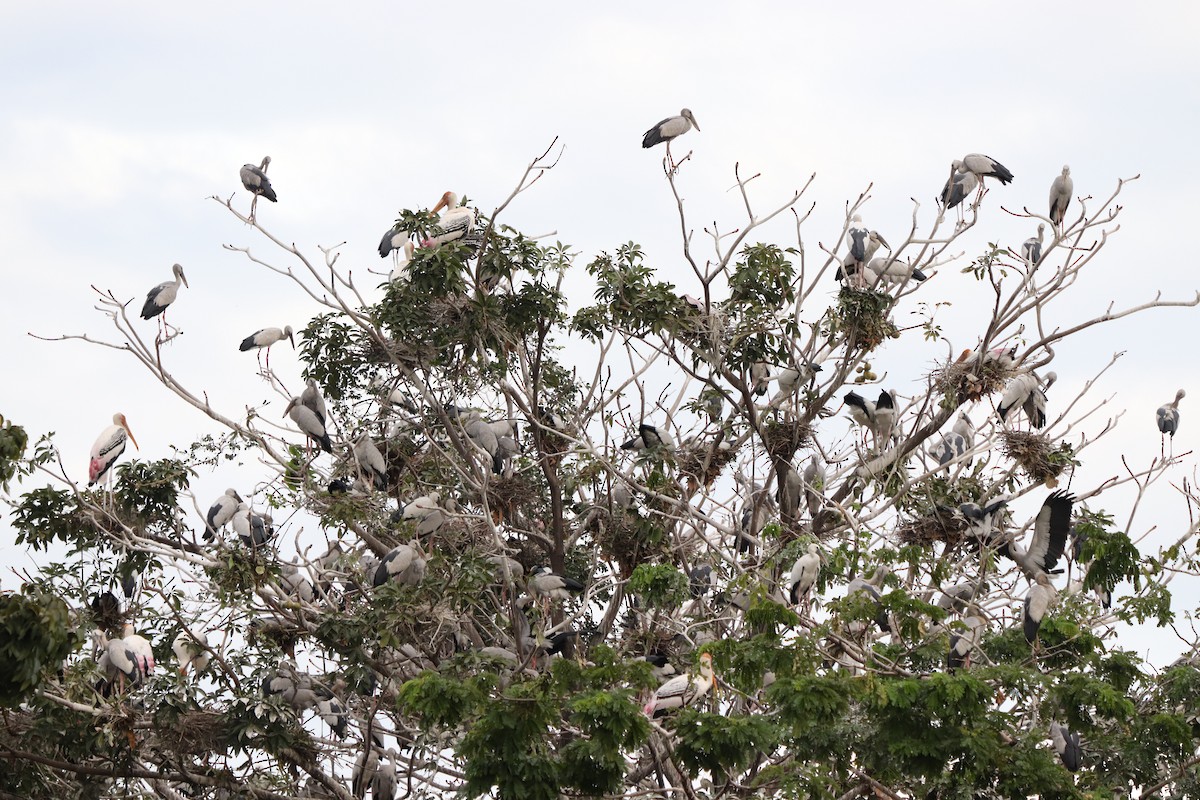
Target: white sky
x,y
117,122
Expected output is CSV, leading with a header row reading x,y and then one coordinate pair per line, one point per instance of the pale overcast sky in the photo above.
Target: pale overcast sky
x,y
118,121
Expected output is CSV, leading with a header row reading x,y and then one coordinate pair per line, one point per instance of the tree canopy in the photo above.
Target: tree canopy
x,y
679,539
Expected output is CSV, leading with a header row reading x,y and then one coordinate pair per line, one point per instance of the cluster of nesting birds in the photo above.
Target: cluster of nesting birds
x,y
128,659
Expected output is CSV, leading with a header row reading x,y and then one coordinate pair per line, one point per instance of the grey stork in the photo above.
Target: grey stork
x,y
404,564
1041,598
986,167
255,180
958,186
220,513
1066,744
670,128
1031,249
649,437
1060,197
263,339
804,574
1168,416
962,645
309,423
161,296
191,650
956,443
682,690
1028,392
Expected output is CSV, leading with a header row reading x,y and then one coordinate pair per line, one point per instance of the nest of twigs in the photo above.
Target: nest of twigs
x,y
1034,454
630,539
933,527
506,495
704,463
973,380
783,438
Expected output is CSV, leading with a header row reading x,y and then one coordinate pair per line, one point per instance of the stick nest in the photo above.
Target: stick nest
x,y
973,380
783,439
933,527
1034,454
704,462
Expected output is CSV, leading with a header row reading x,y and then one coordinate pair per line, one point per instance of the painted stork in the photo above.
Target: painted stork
x,y
220,513
986,167
161,296
108,448
1031,250
649,437
309,423
142,651
456,221
1029,393
117,660
1066,744
263,339
670,128
400,265
1168,416
1060,197
1041,598
804,574
191,650
682,690
256,182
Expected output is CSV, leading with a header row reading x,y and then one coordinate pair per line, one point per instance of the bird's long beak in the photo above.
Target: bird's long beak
x,y
443,203
292,340
883,241
183,278
695,124
125,425
290,406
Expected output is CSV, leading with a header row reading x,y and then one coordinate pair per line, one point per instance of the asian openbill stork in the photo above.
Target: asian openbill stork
x,y
263,339
682,690
256,182
1060,197
161,296
1168,417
